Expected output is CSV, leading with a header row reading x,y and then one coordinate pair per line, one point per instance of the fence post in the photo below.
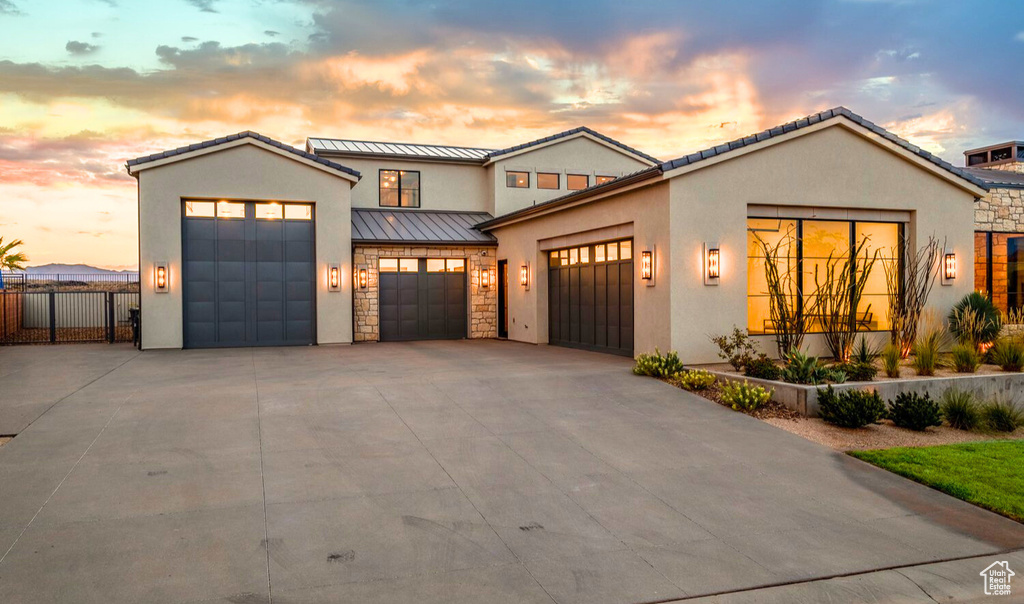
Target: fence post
x,y
111,325
52,298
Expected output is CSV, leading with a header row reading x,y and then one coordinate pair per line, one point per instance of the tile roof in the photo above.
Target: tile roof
x,y
998,179
567,133
808,121
240,135
371,225
408,150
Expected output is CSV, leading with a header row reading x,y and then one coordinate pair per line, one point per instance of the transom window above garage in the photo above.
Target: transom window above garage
x,y
399,188
614,251
446,265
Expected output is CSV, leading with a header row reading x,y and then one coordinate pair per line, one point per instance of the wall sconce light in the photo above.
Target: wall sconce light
x,y
485,278
334,278
524,276
712,264
362,278
948,267
647,266
161,278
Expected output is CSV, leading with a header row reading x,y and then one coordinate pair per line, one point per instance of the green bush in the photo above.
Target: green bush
x,y
803,369
834,375
1008,353
1002,417
914,411
696,379
762,368
960,409
858,371
863,354
965,358
975,320
744,397
850,408
927,354
891,359
737,348
656,365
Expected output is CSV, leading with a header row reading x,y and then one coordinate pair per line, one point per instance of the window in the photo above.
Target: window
x,y
547,180
805,250
269,211
599,253
625,250
585,254
399,189
517,180
603,179
999,268
230,209
613,252
297,211
408,265
574,255
388,265
455,265
200,209
575,182
435,265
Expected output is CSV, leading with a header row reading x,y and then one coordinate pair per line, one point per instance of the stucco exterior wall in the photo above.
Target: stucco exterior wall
x,y
244,172
443,186
573,156
642,214
828,168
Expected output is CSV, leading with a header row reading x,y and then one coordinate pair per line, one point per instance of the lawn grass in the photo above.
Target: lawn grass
x,y
988,474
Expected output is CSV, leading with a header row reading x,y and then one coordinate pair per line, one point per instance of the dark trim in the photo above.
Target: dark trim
x,y
558,181
988,263
424,243
568,133
526,172
419,198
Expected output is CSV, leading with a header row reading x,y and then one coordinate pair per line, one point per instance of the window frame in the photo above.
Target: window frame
x,y
526,172
419,189
558,181
585,177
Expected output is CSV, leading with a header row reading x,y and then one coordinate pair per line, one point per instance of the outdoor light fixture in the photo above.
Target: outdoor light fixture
x,y
712,264
524,276
362,278
161,279
646,265
485,277
948,267
334,278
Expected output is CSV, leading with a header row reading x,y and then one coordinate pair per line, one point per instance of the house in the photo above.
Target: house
x,y
997,578
574,239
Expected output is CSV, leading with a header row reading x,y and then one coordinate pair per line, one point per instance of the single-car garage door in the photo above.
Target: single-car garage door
x,y
422,298
249,277
590,297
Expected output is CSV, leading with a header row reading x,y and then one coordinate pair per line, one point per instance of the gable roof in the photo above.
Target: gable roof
x,y
568,134
434,227
195,148
998,179
402,150
811,120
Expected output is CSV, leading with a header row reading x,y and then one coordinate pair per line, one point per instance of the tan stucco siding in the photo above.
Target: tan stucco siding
x,y
443,186
830,168
244,172
573,156
641,214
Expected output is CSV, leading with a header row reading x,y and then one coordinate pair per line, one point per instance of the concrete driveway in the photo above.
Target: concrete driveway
x,y
465,471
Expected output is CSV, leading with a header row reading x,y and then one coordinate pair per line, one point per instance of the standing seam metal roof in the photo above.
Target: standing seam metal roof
x,y
398,149
419,226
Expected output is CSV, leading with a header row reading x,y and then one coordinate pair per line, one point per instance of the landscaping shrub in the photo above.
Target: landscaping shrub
x,y
1002,417
656,365
863,353
927,354
696,379
975,320
914,411
737,348
960,409
891,358
1008,353
858,371
803,369
762,368
850,408
744,397
834,375
965,358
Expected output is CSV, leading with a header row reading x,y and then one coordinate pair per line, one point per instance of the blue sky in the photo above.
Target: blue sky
x,y
87,84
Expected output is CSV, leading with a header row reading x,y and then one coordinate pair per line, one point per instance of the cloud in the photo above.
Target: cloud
x,y
205,6
97,34
1019,37
189,39
80,48
271,33
9,8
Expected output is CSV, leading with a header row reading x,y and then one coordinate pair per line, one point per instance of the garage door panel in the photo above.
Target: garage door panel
x,y
198,229
297,251
299,271
591,300
298,311
269,251
299,330
202,291
422,305
200,249
201,332
298,231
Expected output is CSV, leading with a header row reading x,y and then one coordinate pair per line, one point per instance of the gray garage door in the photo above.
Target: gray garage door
x,y
248,274
422,298
590,297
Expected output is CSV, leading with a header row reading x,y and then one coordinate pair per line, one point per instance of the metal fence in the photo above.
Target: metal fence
x,y
23,282
34,317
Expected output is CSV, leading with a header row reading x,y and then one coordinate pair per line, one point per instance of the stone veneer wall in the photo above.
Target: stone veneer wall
x,y
1001,210
483,302
1016,166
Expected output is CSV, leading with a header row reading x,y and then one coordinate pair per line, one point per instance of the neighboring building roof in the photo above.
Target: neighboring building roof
x,y
998,179
403,150
582,129
435,227
814,119
234,137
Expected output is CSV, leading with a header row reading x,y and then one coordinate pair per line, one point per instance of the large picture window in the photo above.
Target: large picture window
x,y
399,189
805,249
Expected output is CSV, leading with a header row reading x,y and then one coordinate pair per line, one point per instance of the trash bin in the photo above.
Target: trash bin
x,y
135,317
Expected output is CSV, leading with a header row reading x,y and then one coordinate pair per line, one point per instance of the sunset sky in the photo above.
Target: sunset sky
x,y
88,84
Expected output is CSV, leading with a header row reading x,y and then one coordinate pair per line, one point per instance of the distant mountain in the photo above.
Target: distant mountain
x,y
70,269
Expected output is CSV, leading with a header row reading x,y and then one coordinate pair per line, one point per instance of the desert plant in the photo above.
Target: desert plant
x,y
975,320
9,259
1002,417
863,352
965,358
1008,353
928,347
1014,316
960,409
737,348
803,369
788,322
695,379
839,288
762,368
744,397
656,365
908,284
834,375
858,371
892,356
850,408
914,411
